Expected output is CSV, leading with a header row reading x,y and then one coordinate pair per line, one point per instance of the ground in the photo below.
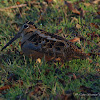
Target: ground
x,y
21,78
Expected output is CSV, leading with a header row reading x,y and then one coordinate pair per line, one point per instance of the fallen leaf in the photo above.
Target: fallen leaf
x,y
76,11
5,87
90,60
94,25
38,91
49,1
87,4
20,43
96,1
19,82
71,8
76,39
38,60
74,76
17,2
69,4
2,2
78,26
98,12
74,19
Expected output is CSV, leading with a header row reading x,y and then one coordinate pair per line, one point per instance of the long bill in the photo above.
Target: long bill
x,y
12,40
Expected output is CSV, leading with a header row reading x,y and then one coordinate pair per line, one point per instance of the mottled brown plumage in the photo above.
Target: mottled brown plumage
x,y
38,43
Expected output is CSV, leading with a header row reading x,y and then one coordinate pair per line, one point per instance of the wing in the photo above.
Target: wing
x,y
51,45
46,43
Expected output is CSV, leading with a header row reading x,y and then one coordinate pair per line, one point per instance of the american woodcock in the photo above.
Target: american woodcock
x,y
37,43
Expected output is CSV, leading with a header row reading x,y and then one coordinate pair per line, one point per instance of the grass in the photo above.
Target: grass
x,y
51,81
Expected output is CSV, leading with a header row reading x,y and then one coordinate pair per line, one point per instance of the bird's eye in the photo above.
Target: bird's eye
x,y
25,26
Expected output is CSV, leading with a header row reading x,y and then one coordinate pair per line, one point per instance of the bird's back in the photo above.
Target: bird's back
x,y
52,45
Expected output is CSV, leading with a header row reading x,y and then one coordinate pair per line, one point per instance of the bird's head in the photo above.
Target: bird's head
x,y
26,28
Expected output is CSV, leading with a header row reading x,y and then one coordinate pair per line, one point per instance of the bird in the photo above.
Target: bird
x,y
37,43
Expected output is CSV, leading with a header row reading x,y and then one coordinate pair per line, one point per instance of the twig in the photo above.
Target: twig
x,y
11,7
33,2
